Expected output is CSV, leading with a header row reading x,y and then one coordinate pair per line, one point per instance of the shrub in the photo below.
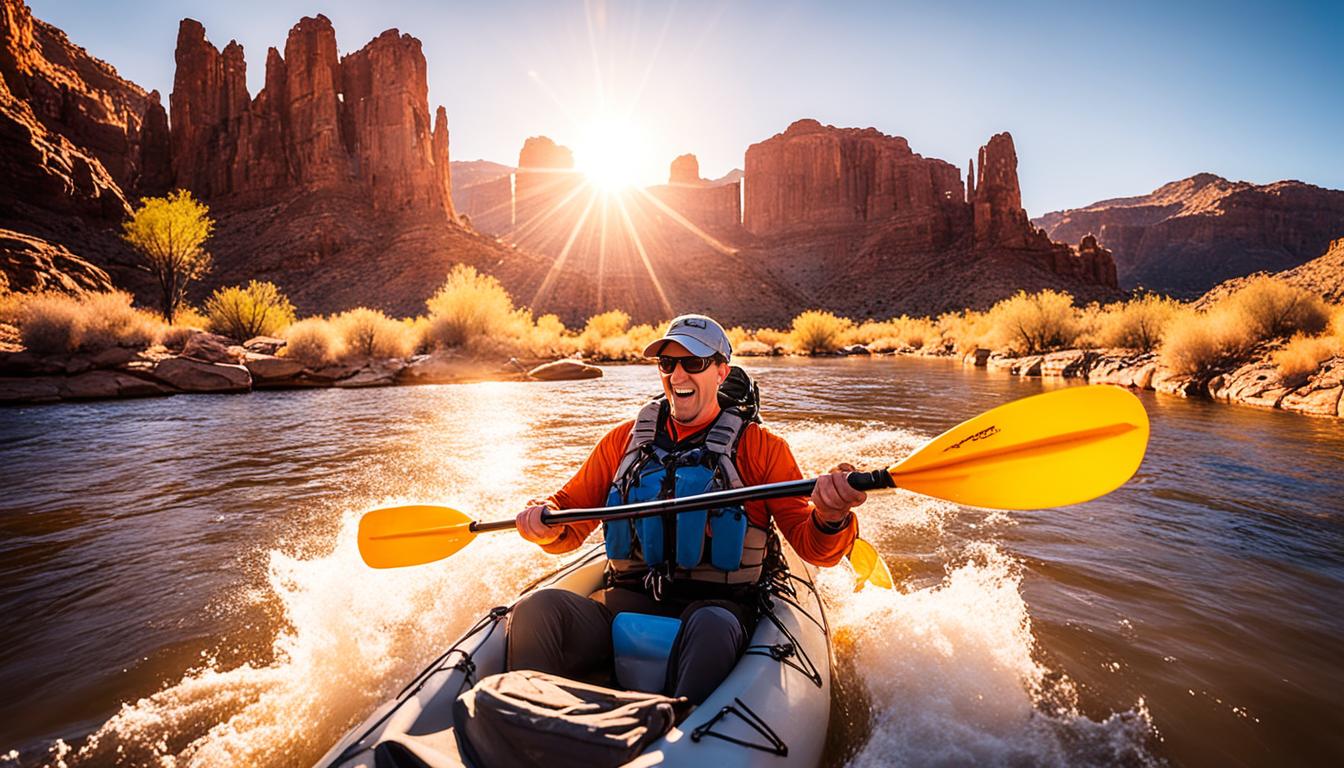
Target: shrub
x,y
111,321
771,337
1135,324
469,306
965,331
313,341
600,328
815,331
1033,323
58,322
1271,308
1303,356
50,323
751,348
240,313
371,334
1197,342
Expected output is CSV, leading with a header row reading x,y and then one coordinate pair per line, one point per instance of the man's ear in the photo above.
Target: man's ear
x,y
724,368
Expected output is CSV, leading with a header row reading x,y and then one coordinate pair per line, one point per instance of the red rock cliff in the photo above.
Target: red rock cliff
x,y
321,122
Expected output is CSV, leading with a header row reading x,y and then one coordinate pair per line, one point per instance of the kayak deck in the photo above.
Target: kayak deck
x,y
772,709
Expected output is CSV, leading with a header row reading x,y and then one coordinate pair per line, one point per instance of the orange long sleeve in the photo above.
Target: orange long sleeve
x,y
762,457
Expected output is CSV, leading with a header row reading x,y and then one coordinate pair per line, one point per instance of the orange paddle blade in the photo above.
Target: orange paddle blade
x,y
412,535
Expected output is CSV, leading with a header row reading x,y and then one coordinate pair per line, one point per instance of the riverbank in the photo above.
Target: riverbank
x,y
210,364
1253,379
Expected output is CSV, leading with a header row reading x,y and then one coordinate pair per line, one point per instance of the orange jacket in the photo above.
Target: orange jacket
x,y
762,457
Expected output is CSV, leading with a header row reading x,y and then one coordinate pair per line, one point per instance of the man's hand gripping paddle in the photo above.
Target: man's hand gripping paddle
x,y
1049,450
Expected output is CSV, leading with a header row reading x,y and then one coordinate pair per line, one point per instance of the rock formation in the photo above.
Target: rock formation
x,y
817,176
322,122
685,170
1190,234
705,204
1323,274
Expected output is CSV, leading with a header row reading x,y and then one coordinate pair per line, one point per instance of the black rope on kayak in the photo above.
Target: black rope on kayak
x,y
789,653
744,713
465,664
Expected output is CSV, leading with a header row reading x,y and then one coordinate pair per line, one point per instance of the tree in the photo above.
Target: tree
x,y
169,233
240,313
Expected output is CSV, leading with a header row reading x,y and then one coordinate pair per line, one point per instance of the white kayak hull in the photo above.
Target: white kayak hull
x,y
782,683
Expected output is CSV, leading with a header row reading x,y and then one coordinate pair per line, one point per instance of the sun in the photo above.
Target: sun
x,y
609,153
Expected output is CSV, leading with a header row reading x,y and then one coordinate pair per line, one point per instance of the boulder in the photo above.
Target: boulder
x,y
191,375
100,385
264,345
855,349
977,358
1179,384
378,373
1123,370
565,370
269,371
1028,366
1320,396
1000,363
29,389
1255,383
1071,363
210,348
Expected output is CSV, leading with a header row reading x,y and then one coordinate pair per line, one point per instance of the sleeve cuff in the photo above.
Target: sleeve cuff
x,y
831,529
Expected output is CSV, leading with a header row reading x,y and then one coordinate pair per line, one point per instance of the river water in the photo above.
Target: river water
x,y
180,585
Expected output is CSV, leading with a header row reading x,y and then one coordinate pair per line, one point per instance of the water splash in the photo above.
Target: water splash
x,y
351,637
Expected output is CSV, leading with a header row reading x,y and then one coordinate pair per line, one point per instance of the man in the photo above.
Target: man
x,y
697,566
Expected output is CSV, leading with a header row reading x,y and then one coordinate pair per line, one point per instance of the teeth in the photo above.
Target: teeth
x,y
684,392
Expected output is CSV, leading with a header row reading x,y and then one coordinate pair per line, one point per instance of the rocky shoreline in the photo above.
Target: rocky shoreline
x,y
1253,380
209,364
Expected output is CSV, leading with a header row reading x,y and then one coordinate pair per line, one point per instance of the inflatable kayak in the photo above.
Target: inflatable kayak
x,y
773,709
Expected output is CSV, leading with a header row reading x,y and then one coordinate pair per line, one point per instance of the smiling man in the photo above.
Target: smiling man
x,y
700,567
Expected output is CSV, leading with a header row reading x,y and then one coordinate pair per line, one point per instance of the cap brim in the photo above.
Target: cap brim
x,y
694,346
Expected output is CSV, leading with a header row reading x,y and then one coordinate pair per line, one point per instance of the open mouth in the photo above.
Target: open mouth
x,y
683,393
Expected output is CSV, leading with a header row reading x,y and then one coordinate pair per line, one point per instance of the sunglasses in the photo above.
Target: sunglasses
x,y
688,364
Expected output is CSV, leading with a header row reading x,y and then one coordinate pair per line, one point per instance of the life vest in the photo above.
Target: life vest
x,y
717,545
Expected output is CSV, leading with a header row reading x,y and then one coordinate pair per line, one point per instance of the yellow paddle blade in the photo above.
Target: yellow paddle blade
x,y
412,535
1048,450
869,567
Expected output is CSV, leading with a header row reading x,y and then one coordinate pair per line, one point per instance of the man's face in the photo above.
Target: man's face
x,y
694,396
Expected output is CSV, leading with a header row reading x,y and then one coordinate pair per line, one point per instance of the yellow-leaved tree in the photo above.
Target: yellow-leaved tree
x,y
170,232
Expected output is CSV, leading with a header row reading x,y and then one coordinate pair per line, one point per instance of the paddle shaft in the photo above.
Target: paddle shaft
x,y
863,481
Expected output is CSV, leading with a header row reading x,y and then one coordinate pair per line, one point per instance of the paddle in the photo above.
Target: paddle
x,y
1048,450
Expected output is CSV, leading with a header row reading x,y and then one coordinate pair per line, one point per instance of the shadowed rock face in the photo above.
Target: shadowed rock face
x,y
1188,235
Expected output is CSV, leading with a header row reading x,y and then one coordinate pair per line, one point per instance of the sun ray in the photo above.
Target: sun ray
x,y
686,223
553,273
644,256
602,249
527,228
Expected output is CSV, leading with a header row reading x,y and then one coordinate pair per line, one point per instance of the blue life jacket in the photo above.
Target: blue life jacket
x,y
715,545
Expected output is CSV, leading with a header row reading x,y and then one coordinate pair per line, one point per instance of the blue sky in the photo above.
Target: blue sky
x,y
1103,99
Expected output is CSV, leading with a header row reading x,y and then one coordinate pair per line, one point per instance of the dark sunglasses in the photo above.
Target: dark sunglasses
x,y
689,364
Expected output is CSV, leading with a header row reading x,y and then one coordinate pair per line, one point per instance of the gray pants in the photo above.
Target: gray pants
x,y
561,633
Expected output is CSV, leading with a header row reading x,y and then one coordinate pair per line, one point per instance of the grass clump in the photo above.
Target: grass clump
x,y
368,333
1136,324
1271,308
313,341
54,323
241,313
818,332
1303,355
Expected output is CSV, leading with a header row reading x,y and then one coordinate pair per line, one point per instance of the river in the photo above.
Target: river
x,y
180,582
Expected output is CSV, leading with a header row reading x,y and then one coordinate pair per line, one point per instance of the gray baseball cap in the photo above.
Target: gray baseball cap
x,y
700,335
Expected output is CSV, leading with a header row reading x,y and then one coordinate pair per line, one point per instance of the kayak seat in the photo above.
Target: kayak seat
x,y
641,644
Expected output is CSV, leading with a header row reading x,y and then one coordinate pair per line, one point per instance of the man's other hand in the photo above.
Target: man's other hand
x,y
834,497
531,528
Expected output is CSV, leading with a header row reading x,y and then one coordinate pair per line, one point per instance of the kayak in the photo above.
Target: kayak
x,y
773,709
